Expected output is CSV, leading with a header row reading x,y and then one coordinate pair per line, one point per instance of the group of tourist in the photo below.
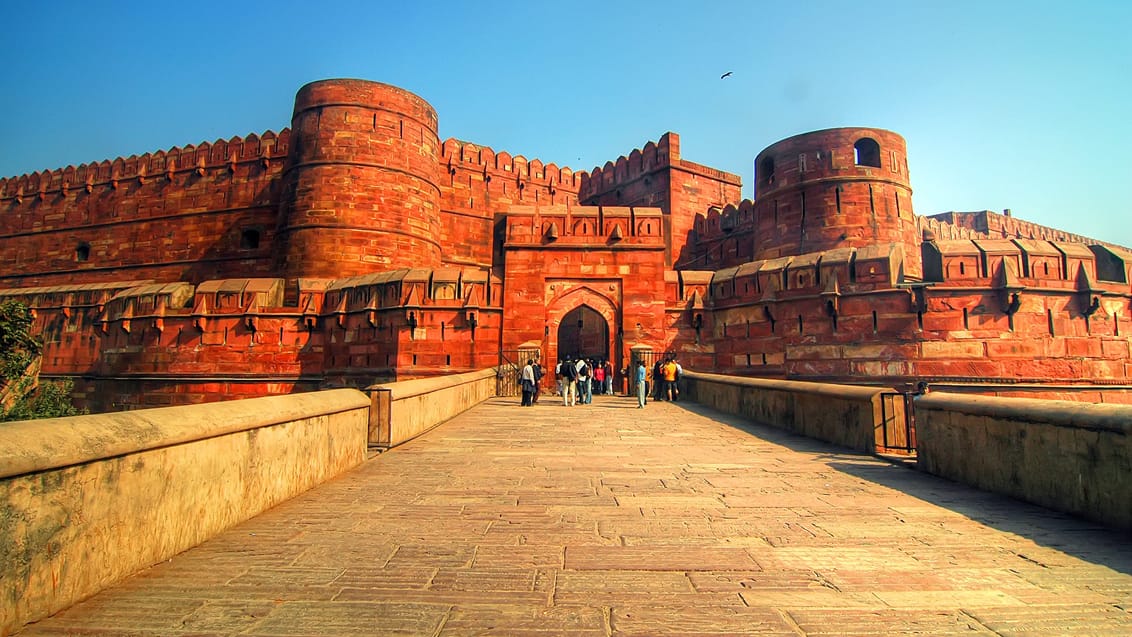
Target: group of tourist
x,y
666,375
579,379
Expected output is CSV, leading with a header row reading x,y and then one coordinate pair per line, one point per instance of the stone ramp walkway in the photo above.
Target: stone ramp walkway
x,y
609,520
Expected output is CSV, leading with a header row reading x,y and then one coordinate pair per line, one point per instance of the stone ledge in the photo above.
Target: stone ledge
x,y
39,445
1058,413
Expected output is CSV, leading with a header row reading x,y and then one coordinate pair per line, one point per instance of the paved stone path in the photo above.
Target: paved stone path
x,y
609,520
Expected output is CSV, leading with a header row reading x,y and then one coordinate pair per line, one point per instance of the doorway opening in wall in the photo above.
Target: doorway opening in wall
x,y
583,332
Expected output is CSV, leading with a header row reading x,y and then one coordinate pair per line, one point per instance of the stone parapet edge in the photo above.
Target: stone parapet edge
x,y
40,445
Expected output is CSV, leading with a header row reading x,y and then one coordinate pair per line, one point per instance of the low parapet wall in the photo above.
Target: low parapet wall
x,y
1067,456
845,415
89,500
404,410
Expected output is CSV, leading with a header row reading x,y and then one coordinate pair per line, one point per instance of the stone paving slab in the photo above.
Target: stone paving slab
x,y
608,520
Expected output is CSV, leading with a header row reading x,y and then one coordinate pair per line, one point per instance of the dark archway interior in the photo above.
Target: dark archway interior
x,y
866,152
583,332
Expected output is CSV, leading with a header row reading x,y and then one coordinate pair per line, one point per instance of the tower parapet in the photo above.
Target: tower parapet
x,y
360,188
656,176
841,187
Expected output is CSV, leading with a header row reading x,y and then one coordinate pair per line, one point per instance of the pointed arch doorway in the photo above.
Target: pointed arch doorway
x,y
583,332
583,321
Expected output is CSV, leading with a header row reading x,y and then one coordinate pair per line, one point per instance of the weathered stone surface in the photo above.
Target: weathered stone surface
x,y
867,548
90,500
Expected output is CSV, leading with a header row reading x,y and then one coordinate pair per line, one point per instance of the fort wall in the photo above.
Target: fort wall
x,y
656,176
994,225
185,214
138,344
477,181
355,247
1016,313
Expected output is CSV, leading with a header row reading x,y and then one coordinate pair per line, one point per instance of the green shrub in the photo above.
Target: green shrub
x,y
18,350
17,346
49,400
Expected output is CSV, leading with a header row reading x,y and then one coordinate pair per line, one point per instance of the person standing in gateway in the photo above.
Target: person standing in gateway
x,y
527,379
641,373
569,386
668,388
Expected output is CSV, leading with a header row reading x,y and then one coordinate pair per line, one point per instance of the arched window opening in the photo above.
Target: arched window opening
x,y
766,170
82,252
866,152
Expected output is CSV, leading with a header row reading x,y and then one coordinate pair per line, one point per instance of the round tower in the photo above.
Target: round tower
x,y
841,187
360,189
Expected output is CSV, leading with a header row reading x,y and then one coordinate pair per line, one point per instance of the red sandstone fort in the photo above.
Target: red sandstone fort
x,y
355,246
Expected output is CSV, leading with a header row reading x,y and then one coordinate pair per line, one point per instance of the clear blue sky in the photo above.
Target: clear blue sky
x,y
1004,104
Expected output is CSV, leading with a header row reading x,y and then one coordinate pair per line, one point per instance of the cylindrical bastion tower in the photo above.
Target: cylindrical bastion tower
x,y
840,187
360,192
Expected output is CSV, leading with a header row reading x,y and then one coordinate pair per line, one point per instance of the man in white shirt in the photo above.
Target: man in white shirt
x,y
527,378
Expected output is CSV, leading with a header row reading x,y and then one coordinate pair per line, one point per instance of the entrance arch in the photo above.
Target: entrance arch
x,y
583,332
598,334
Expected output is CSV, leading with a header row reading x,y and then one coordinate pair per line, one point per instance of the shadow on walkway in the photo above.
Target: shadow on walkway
x,y
1084,539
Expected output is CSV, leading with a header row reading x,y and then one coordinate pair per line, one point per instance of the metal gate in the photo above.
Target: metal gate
x,y
897,430
507,373
650,358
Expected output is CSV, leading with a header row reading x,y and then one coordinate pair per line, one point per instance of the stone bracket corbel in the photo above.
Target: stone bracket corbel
x,y
832,297
1091,302
1012,300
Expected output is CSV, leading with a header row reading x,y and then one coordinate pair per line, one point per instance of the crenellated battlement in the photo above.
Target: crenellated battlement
x,y
640,162
199,159
456,155
994,225
718,222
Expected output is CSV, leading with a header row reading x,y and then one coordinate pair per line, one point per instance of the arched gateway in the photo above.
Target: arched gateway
x,y
584,322
584,333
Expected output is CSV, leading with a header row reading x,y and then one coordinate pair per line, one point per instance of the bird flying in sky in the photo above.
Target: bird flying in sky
x,y
725,75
